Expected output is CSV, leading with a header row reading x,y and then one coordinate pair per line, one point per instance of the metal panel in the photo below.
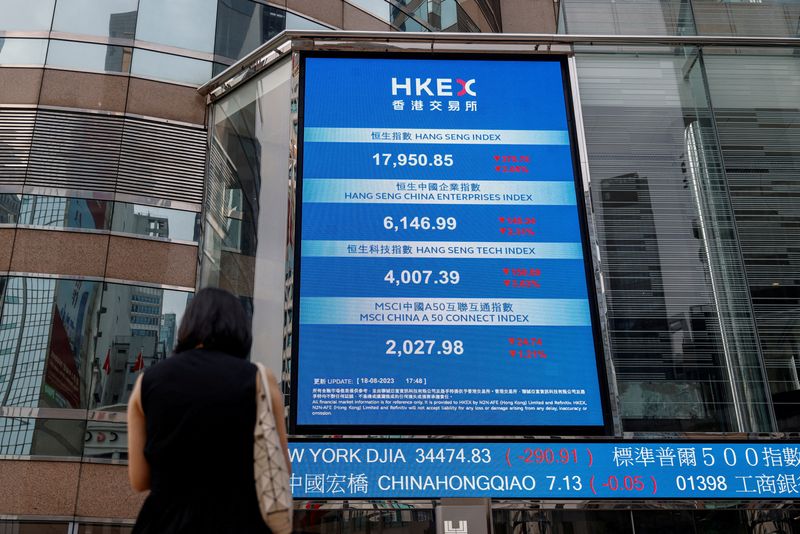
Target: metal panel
x,y
16,133
162,160
74,150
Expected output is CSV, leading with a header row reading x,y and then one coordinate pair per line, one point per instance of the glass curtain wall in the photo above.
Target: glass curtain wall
x,y
756,97
94,215
179,41
247,205
683,341
724,121
769,18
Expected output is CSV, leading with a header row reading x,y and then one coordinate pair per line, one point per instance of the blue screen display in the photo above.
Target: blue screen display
x,y
442,272
559,470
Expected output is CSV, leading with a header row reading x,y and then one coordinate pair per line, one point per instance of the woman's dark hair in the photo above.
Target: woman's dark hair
x,y
217,320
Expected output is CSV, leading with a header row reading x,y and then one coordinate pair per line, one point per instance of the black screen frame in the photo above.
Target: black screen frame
x,y
604,429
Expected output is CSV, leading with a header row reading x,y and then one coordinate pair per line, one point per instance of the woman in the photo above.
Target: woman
x,y
190,426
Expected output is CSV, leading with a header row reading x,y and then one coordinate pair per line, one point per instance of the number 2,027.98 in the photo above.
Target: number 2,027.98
x,y
407,347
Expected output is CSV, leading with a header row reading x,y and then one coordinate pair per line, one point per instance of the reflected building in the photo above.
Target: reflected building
x,y
133,219
120,26
58,212
27,306
9,208
167,333
662,350
50,331
129,340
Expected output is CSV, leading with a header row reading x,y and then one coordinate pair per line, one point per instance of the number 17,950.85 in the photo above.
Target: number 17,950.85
x,y
413,160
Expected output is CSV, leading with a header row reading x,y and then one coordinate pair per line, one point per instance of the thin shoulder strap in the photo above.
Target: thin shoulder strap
x,y
262,373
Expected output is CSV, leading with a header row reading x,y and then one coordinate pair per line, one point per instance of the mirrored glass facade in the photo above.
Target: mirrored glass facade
x,y
88,57
62,212
242,25
88,214
695,150
185,24
80,344
28,52
22,15
155,222
683,340
104,18
182,41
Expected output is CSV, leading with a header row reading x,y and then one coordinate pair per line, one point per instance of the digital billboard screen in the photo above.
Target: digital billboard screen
x,y
443,279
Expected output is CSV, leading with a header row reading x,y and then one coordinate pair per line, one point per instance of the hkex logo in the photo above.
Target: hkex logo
x,y
431,86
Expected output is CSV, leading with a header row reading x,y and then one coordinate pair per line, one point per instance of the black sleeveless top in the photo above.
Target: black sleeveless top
x,y
200,413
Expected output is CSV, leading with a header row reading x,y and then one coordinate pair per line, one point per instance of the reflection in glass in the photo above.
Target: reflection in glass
x,y
105,18
681,331
88,57
757,120
635,17
22,51
41,437
405,22
247,206
168,67
139,326
155,222
233,195
182,23
296,22
106,439
419,10
378,8
776,18
243,25
26,15
25,324
77,343
438,15
9,208
63,212
16,435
